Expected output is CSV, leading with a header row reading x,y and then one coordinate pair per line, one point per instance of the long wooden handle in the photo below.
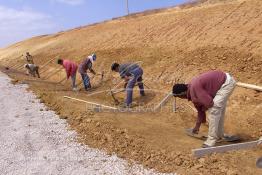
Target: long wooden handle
x,y
164,101
249,86
92,103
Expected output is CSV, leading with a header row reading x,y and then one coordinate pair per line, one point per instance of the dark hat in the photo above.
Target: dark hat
x,y
59,61
114,66
179,88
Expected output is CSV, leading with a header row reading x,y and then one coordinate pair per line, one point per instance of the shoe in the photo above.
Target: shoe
x,y
220,140
124,105
75,89
206,146
87,89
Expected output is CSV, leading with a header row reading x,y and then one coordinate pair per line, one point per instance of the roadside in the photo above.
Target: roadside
x,y
33,140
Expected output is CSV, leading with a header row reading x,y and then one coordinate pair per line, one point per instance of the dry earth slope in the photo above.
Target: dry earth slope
x,y
173,44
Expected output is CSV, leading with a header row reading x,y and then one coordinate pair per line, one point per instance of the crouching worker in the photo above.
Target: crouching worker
x,y
32,69
132,74
70,68
83,67
209,91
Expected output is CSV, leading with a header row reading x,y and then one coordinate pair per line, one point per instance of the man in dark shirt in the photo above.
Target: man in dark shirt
x,y
83,67
209,91
132,73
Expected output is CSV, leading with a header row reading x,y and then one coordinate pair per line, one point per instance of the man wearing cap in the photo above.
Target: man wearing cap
x,y
32,69
70,68
208,92
132,73
87,64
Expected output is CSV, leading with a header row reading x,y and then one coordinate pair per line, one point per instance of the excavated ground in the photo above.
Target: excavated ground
x,y
172,46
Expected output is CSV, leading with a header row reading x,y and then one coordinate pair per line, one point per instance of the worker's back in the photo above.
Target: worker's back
x,y
126,69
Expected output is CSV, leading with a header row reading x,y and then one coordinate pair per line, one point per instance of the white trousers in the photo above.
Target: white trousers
x,y
217,112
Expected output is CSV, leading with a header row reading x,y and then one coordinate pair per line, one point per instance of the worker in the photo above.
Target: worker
x,y
209,91
87,64
132,74
70,68
29,58
32,69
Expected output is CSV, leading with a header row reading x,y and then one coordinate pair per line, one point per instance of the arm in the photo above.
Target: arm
x,y
201,118
127,78
92,71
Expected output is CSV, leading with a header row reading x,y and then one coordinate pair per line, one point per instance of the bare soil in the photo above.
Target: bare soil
x,y
174,45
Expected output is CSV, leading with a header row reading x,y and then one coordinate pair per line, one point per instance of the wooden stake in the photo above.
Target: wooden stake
x,y
249,86
164,101
220,149
91,103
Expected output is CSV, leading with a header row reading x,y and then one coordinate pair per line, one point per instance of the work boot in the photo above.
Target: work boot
x,y
206,146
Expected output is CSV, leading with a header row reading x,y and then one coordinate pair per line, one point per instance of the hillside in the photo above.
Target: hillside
x,y
173,44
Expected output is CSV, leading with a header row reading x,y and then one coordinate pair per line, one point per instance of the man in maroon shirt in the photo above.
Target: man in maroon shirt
x,y
208,92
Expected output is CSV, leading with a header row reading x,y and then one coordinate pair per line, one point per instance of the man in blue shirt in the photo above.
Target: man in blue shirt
x,y
132,73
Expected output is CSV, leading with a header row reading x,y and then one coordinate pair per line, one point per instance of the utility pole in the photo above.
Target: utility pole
x,y
127,7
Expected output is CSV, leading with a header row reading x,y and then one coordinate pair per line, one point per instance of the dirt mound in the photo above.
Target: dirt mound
x,y
172,45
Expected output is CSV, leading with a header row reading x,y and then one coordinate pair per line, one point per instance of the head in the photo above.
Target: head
x,y
180,90
60,61
27,53
115,67
26,66
93,57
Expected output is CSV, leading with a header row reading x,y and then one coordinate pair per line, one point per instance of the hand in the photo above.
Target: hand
x,y
127,78
195,130
191,131
125,85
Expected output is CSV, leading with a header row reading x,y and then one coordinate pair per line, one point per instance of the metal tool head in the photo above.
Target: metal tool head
x,y
114,98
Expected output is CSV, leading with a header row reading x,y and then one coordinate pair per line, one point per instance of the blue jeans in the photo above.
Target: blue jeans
x,y
136,77
86,81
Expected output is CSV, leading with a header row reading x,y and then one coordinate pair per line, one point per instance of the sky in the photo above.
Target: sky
x,y
21,19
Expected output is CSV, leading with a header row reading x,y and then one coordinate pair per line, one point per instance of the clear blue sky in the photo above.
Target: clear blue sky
x,y
20,19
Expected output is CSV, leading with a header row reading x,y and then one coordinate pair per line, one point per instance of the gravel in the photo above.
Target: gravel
x,y
35,141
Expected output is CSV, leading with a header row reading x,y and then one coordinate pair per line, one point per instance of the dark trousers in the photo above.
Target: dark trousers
x,y
86,81
136,78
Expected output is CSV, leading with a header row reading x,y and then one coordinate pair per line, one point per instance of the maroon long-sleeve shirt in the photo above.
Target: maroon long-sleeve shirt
x,y
202,90
70,67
